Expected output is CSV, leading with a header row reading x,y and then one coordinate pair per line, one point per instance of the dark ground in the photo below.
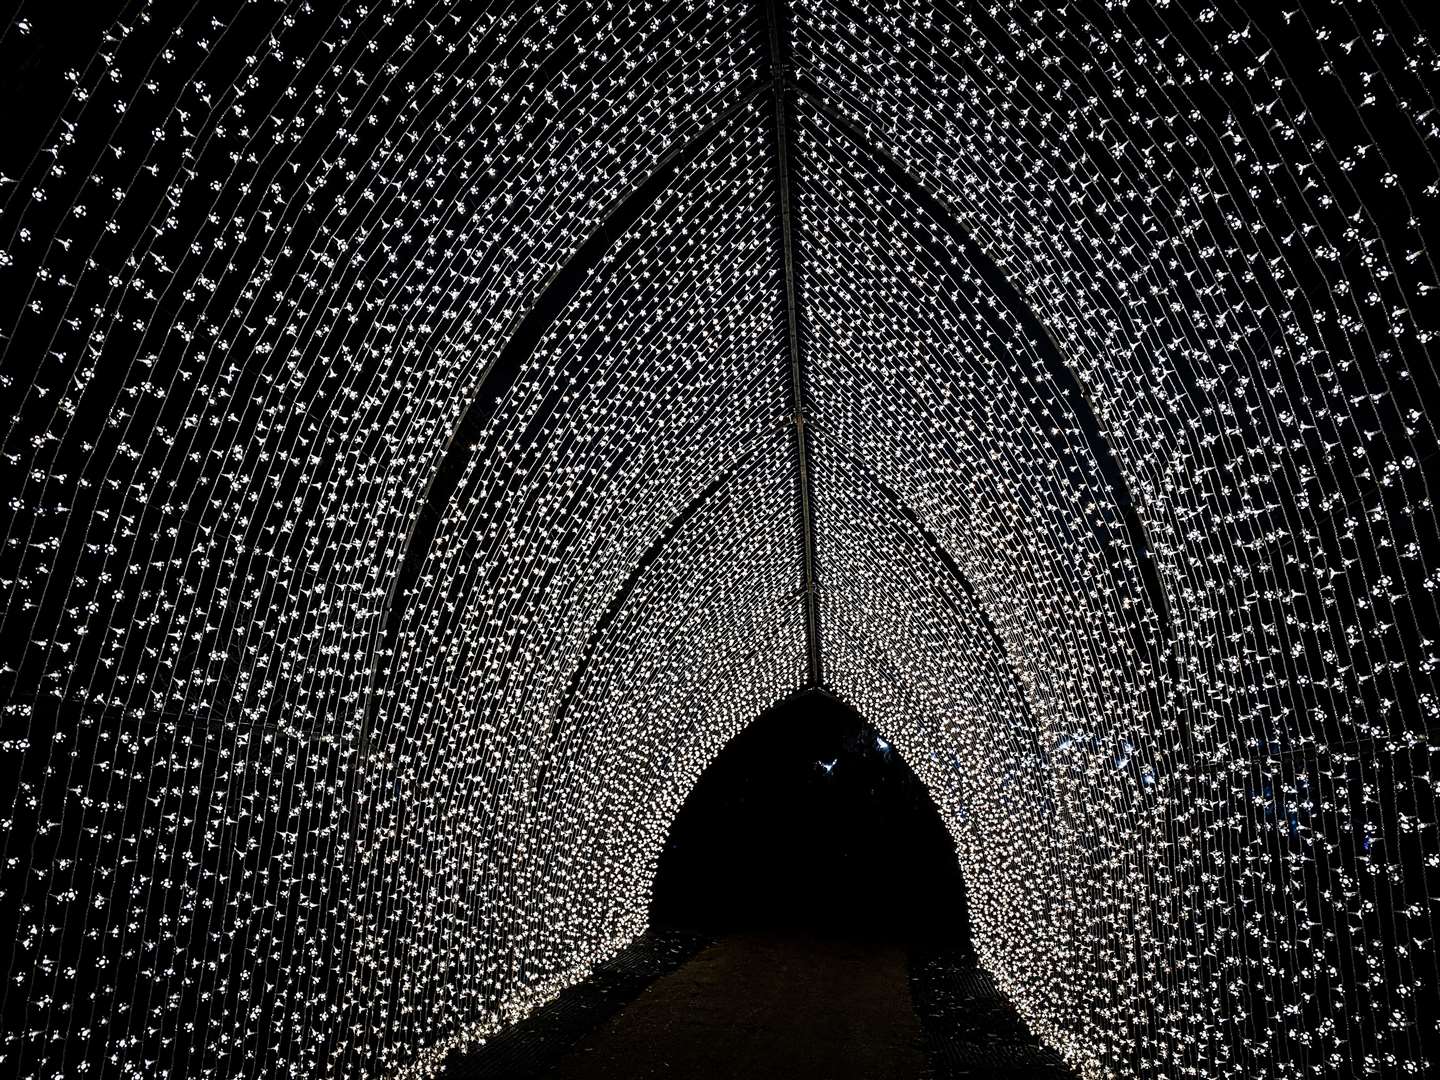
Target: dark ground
x,y
764,1005
772,1006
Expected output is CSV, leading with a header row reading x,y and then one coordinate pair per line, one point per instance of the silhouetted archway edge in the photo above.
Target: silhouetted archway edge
x,y
910,753
808,819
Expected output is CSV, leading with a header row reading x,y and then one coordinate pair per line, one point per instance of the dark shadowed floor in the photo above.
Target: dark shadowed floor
x,y
764,1005
771,1004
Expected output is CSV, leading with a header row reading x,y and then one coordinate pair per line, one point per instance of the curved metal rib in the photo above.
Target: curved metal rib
x,y
617,605
941,554
622,595
1060,373
556,293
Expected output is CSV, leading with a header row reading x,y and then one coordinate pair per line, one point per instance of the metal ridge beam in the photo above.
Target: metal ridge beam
x,y
777,35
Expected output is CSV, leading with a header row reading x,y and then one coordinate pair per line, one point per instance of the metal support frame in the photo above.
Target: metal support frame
x,y
784,88
776,20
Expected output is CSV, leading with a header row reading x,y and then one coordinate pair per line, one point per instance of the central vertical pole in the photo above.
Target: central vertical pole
x,y
776,20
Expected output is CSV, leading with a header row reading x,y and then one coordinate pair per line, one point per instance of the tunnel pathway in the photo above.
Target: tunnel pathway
x,y
776,1004
764,1005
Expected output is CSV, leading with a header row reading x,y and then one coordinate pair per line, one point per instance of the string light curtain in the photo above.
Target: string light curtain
x,y
403,505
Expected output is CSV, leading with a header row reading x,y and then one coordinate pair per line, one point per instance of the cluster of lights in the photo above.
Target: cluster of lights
x,y
1113,351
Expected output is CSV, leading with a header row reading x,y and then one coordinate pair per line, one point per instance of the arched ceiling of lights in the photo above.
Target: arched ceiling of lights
x,y
434,430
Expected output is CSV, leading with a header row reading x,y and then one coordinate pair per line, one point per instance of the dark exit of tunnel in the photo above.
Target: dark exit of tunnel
x,y
809,820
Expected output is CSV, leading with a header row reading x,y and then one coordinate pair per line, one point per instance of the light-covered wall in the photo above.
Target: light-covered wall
x,y
323,764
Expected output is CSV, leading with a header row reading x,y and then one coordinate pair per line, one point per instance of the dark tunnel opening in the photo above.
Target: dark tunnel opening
x,y
810,821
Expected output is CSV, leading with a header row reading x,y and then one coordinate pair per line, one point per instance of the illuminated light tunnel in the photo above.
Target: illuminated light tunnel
x,y
436,429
